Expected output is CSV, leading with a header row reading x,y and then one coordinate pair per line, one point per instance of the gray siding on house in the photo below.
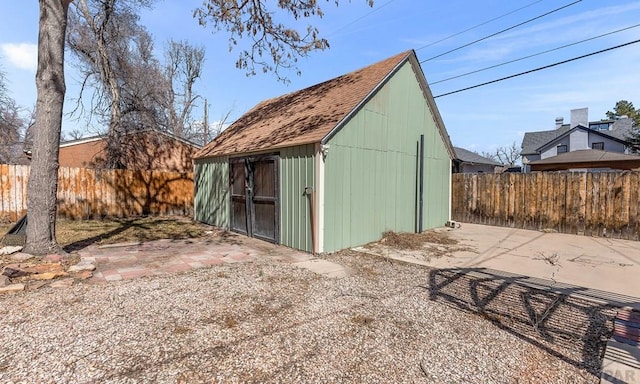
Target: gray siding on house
x,y
476,168
609,145
578,140
552,149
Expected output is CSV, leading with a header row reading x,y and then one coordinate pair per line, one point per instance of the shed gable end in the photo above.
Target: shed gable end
x,y
371,168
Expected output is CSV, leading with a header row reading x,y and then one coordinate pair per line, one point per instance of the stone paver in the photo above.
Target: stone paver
x,y
132,260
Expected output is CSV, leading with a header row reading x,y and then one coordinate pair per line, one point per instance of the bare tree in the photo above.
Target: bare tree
x,y
507,155
183,68
43,178
11,124
106,38
76,134
254,21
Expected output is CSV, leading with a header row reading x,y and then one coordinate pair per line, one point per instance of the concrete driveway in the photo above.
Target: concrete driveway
x,y
609,265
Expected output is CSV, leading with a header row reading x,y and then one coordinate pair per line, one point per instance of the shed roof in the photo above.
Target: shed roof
x,y
311,114
466,156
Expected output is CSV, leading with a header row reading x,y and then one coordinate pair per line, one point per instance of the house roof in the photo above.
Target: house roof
x,y
587,158
533,141
90,139
466,156
313,114
579,127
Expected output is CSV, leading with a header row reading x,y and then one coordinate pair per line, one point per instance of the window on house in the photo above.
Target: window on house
x,y
562,148
599,146
600,126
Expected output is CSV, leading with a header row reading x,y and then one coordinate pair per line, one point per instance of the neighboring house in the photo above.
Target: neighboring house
x,y
591,159
143,150
550,147
470,162
331,166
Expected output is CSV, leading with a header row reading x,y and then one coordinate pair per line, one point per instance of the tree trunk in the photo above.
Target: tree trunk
x,y
43,179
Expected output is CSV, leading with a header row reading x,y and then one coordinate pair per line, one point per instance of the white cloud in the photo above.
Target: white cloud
x,y
23,56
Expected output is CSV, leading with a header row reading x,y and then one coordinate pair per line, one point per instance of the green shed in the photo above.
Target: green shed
x,y
334,165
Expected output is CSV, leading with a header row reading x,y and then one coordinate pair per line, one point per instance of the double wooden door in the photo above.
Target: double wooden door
x,y
254,196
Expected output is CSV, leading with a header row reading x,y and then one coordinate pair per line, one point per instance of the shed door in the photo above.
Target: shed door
x,y
254,196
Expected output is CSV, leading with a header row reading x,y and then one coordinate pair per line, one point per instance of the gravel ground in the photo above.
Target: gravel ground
x,y
266,322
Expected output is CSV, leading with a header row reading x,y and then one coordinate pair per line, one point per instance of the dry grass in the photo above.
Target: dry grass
x,y
415,241
4,228
76,234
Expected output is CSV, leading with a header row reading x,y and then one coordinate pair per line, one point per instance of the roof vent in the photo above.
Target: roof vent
x,y
559,122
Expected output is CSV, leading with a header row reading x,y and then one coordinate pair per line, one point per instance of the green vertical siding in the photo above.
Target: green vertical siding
x,y
296,173
371,168
211,202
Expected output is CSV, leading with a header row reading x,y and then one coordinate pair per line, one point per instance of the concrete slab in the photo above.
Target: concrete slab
x,y
609,265
621,364
324,267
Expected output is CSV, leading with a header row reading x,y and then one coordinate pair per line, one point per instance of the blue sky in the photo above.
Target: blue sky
x,y
480,119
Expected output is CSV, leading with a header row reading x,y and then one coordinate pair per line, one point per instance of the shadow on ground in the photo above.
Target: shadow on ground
x,y
80,244
572,329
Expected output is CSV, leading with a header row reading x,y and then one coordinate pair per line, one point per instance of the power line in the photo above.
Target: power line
x,y
533,55
360,18
538,69
502,31
478,25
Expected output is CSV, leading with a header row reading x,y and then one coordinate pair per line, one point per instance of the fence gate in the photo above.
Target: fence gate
x,y
254,196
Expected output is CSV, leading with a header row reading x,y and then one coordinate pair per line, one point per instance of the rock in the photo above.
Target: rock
x,y
48,275
36,269
21,256
12,288
33,285
55,258
8,250
12,272
4,281
83,275
62,283
82,266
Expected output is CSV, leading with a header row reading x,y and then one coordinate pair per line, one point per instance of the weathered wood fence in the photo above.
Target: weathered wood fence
x,y
595,204
96,193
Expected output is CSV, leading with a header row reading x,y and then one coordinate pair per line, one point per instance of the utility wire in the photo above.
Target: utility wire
x,y
539,68
533,55
502,31
362,17
478,25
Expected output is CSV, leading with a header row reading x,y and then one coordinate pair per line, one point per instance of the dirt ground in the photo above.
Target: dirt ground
x,y
76,233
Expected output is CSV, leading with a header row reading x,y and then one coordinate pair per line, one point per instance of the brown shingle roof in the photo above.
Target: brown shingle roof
x,y
301,117
586,155
587,158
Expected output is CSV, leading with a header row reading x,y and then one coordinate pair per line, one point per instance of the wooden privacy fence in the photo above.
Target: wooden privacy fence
x,y
96,193
586,203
